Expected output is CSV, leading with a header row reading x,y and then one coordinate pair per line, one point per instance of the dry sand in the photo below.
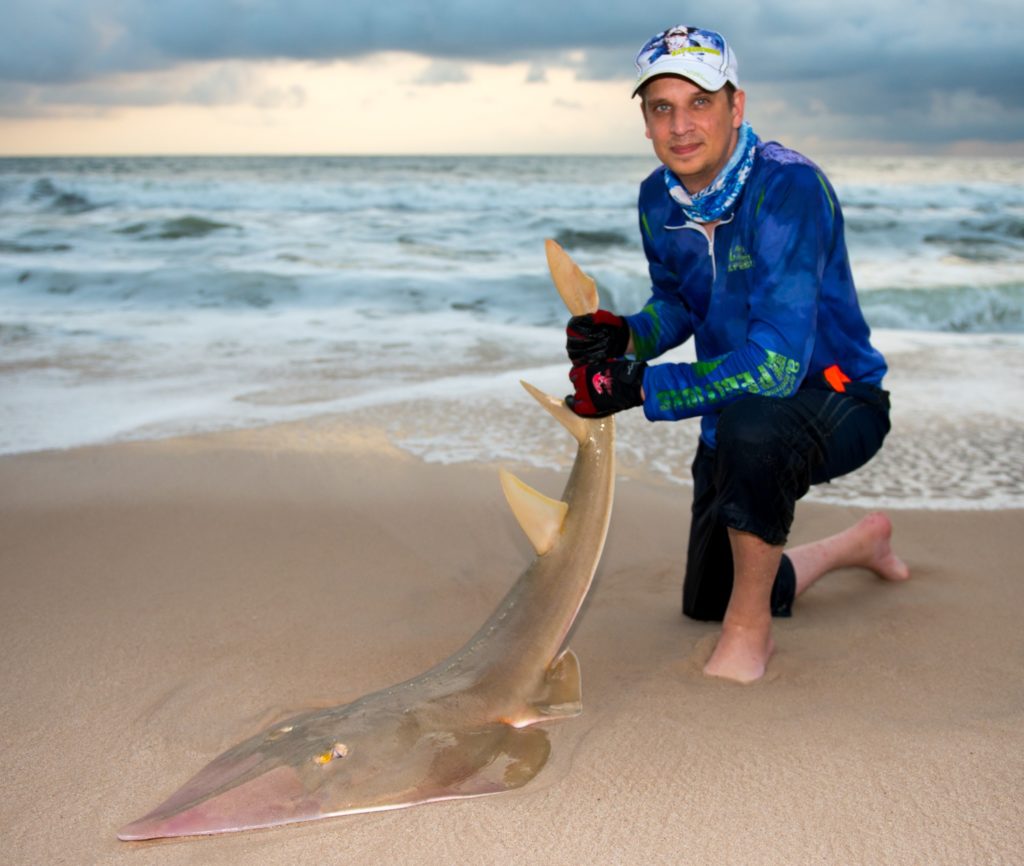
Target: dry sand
x,y
160,601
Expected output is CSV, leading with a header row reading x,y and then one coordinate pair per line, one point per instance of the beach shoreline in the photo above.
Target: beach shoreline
x,y
165,599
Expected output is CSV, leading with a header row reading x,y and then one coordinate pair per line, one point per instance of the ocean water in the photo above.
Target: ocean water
x,y
150,297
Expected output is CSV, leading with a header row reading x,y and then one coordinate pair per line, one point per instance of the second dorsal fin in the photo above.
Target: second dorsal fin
x,y
540,516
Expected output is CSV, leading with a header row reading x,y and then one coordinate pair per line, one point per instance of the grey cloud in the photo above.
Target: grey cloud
x,y
63,40
443,72
280,97
219,85
51,40
537,74
859,110
607,64
223,86
870,64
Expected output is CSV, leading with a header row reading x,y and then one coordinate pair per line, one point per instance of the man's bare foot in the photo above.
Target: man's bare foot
x,y
741,654
866,544
876,530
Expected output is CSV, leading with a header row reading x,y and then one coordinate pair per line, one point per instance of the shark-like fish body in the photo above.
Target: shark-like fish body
x,y
463,728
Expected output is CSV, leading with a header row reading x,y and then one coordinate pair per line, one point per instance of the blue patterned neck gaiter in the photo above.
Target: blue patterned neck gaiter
x,y
717,198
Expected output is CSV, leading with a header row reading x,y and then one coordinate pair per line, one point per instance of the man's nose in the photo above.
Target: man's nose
x,y
682,122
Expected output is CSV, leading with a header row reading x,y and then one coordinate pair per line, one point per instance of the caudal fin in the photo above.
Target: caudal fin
x,y
578,291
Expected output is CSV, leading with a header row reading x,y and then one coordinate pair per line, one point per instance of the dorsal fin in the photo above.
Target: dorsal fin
x,y
540,516
579,427
578,291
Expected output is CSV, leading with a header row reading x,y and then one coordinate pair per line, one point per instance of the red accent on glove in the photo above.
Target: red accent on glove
x,y
606,388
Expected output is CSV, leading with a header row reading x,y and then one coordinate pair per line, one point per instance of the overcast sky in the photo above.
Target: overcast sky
x,y
459,76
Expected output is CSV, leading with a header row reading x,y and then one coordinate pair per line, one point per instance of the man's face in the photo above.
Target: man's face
x,y
693,130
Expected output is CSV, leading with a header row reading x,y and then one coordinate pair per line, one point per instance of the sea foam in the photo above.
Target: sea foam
x,y
145,297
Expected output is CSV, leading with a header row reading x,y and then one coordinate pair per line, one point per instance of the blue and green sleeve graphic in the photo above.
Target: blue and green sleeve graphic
x,y
658,327
676,391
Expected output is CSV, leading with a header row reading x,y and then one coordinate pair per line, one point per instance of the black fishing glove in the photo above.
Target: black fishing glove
x,y
596,336
605,388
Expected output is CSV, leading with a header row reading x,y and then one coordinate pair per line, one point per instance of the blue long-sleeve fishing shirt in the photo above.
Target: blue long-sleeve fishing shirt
x,y
769,299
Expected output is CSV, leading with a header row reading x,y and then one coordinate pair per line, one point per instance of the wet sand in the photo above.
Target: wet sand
x,y
161,601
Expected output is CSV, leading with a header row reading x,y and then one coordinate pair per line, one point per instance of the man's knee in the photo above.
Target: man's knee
x,y
753,432
763,466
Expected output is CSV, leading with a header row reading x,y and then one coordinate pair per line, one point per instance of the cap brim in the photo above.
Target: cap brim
x,y
698,73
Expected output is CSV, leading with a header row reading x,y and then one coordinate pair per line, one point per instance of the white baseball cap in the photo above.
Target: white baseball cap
x,y
702,56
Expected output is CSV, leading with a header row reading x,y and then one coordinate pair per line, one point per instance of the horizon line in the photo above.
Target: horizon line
x,y
894,154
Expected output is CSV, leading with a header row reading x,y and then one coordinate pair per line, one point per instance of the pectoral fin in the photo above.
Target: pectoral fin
x,y
579,427
518,754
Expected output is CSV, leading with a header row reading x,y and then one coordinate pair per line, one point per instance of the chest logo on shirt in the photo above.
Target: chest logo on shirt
x,y
739,258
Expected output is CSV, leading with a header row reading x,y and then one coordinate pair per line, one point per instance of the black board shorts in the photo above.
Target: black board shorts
x,y
768,453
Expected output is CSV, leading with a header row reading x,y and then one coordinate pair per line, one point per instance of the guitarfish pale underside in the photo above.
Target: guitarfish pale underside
x,y
464,728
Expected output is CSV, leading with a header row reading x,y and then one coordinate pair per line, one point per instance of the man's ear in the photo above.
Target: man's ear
x,y
739,104
643,111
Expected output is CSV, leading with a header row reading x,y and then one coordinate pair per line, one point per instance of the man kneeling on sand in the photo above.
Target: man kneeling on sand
x,y
746,251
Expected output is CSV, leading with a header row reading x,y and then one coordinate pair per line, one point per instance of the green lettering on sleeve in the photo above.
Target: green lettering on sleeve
x,y
702,369
775,377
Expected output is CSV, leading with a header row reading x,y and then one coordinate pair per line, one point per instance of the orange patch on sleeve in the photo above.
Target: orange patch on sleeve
x,y
836,378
